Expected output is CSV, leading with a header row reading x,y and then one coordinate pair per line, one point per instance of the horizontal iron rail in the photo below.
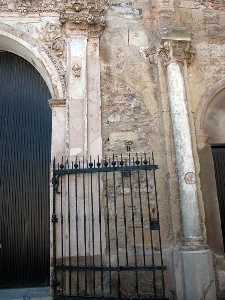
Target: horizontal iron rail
x,y
62,172
105,269
109,298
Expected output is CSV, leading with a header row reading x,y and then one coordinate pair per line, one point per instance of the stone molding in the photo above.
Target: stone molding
x,y
54,67
30,6
57,103
80,14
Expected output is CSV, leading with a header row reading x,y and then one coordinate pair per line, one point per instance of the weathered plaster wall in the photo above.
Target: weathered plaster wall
x,y
131,105
133,113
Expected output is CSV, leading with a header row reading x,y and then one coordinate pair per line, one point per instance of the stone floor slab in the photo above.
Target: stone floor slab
x,y
25,294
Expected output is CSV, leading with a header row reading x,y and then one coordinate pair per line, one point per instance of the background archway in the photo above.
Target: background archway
x,y
212,146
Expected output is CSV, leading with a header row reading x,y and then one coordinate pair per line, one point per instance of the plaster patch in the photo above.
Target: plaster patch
x,y
75,151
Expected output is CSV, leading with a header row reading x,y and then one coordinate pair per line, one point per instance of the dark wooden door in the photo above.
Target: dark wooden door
x,y
219,166
25,149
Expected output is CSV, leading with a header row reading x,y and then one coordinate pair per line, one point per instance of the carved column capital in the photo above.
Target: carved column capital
x,y
88,16
57,103
177,49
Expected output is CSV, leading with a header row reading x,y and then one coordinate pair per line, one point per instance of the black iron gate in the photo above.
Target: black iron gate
x,y
106,230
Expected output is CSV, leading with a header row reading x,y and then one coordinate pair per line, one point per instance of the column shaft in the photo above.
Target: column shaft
x,y
184,153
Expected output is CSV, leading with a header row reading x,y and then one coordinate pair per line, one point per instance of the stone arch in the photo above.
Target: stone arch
x,y
206,100
21,44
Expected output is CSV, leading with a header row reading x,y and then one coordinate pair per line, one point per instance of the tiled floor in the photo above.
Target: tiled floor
x,y
25,294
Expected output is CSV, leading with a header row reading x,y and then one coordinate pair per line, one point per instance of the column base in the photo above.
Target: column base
x,y
195,275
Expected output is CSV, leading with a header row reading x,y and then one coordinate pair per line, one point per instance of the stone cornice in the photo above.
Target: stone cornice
x,y
57,103
30,6
82,14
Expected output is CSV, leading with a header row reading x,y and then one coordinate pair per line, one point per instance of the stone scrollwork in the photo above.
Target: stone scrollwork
x,y
149,54
84,15
53,37
27,6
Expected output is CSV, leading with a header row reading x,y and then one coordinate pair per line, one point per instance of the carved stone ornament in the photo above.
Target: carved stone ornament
x,y
179,50
85,15
149,54
76,70
52,36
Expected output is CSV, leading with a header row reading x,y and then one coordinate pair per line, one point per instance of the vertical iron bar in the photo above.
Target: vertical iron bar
x,y
141,209
69,229
62,231
133,225
108,226
159,231
77,232
93,228
85,231
150,229
100,223
124,209
54,231
116,225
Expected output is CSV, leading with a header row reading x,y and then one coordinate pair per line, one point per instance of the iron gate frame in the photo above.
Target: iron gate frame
x,y
126,165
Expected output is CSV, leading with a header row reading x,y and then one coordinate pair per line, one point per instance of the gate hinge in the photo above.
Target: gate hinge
x,y
54,281
54,218
55,183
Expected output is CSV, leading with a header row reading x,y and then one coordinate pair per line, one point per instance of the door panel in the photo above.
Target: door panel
x,y
219,166
25,149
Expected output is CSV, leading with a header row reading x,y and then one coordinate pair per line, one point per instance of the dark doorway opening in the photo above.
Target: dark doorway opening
x,y
25,154
218,152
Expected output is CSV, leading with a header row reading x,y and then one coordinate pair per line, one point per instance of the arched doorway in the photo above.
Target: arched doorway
x,y
212,168
25,154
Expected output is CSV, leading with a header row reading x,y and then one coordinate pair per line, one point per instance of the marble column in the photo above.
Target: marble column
x,y
184,153
193,261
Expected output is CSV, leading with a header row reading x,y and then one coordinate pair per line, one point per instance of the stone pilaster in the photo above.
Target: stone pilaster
x,y
77,93
193,261
58,107
82,25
